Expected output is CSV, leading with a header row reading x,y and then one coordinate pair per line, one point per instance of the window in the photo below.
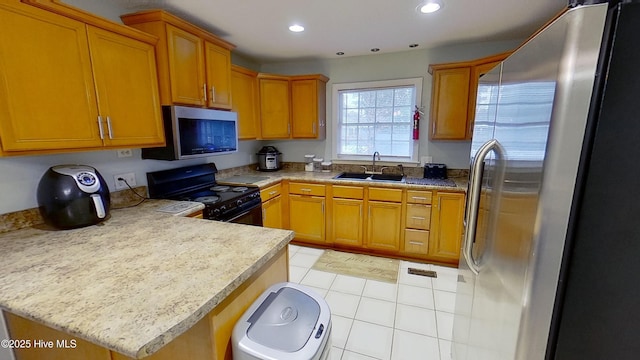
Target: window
x,y
376,116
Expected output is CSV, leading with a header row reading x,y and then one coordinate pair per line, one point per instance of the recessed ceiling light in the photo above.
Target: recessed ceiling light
x,y
296,28
340,53
413,45
375,50
429,6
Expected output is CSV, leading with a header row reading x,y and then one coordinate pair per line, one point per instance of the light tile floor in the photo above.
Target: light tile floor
x,y
409,320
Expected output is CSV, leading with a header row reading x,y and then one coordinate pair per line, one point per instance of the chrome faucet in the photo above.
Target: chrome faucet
x,y
374,160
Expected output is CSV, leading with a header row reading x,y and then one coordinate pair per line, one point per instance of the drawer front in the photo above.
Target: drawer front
x,y
380,194
418,216
306,189
348,192
416,241
419,197
270,192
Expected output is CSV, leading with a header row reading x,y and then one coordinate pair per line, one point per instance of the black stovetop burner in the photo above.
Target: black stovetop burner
x,y
197,183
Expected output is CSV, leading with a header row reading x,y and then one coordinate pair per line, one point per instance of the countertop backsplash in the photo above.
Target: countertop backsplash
x,y
125,198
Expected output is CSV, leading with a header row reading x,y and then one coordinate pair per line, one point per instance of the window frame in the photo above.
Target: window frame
x,y
369,85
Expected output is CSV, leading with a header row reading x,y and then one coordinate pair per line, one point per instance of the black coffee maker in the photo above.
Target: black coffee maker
x,y
73,196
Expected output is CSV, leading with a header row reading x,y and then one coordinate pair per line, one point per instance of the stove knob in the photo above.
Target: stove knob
x,y
222,208
216,212
239,202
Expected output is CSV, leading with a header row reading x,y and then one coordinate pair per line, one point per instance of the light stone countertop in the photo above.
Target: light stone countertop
x,y
328,178
135,282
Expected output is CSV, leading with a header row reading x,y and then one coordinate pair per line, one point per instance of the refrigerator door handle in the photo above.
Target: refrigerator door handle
x,y
473,199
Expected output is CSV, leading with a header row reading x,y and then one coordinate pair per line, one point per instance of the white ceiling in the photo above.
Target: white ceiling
x,y
259,28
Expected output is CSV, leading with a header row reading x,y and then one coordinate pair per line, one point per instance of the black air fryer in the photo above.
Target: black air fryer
x,y
73,196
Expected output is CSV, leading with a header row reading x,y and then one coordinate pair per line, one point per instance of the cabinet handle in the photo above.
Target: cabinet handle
x,y
418,217
416,243
305,190
313,127
323,206
100,127
264,215
360,211
289,129
204,87
419,198
109,127
213,94
273,192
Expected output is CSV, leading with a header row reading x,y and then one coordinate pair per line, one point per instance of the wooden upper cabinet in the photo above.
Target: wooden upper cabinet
x,y
449,105
218,69
292,106
194,66
128,102
308,114
453,96
275,107
93,87
47,96
244,86
186,67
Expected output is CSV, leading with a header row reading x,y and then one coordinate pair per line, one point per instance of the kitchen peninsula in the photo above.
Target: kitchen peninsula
x,y
141,283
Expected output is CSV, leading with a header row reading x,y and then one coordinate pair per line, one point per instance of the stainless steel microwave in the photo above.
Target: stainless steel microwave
x,y
195,132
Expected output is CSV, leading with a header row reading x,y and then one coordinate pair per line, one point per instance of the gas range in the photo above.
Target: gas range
x,y
223,202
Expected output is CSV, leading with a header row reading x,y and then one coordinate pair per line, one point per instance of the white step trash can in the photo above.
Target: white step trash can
x,y
287,322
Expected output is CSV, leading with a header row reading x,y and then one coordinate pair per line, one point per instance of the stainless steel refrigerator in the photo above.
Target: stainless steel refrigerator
x,y
551,252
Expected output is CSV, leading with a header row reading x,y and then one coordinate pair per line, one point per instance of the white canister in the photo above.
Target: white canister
x,y
308,162
317,164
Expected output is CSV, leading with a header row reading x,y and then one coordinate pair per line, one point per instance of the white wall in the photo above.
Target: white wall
x,y
19,176
409,64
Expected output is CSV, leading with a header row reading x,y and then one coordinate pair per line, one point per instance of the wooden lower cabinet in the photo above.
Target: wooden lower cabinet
x,y
347,221
424,225
209,339
446,227
384,225
272,213
306,217
416,242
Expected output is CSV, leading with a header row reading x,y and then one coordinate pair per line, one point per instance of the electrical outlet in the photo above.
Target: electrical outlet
x,y
426,160
123,153
129,177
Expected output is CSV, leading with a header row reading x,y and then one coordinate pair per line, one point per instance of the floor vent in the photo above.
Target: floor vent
x,y
421,272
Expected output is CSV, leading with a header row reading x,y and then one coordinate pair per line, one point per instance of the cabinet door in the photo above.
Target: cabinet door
x,y
186,67
274,108
304,109
127,87
347,221
449,104
446,227
47,94
307,217
244,87
218,65
272,213
384,224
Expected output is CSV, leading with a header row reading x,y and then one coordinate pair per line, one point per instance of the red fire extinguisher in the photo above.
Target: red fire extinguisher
x,y
416,128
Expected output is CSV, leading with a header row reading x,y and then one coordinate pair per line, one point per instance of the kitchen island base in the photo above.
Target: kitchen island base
x,y
209,338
